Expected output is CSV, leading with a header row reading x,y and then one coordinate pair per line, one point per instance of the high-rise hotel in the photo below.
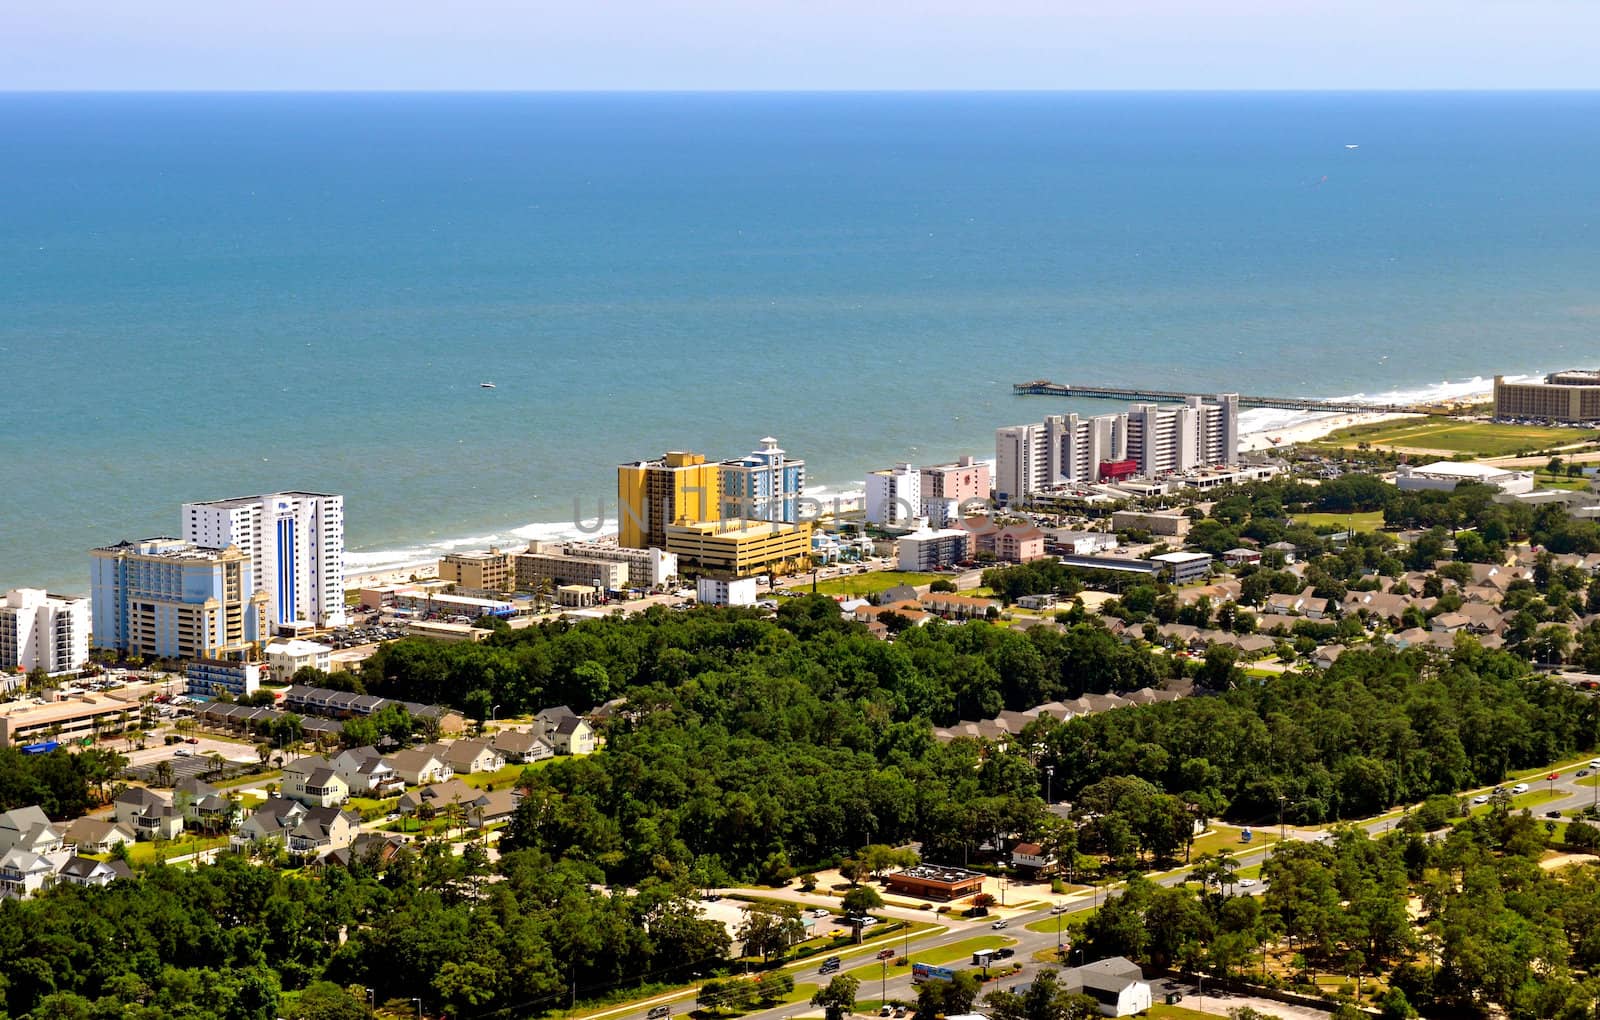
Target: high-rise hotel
x,y
1146,439
295,545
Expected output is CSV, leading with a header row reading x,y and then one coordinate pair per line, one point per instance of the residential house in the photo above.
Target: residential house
x,y
24,873
490,807
28,828
270,823
417,767
313,782
322,830
97,835
522,746
960,607
88,871
366,773
377,850
151,815
1448,623
1031,860
572,736
438,795
1286,549
476,755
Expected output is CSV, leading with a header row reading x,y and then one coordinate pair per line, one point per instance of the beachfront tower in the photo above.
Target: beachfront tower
x,y
678,488
764,485
295,543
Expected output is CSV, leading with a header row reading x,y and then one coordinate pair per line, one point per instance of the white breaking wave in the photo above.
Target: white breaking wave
x,y
1272,419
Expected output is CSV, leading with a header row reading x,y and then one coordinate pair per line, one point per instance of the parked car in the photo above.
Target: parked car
x,y
886,1010
819,911
899,1011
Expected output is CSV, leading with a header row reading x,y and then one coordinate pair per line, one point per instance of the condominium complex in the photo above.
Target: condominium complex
x,y
962,480
894,496
295,543
1573,395
539,570
1149,439
735,548
172,599
481,571
647,568
652,495
43,631
764,485
933,549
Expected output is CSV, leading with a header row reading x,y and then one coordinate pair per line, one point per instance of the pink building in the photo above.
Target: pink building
x,y
965,479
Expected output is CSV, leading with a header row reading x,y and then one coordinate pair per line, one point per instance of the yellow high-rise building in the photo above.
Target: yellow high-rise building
x,y
679,488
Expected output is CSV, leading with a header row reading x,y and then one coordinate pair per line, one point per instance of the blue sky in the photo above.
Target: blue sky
x,y
799,44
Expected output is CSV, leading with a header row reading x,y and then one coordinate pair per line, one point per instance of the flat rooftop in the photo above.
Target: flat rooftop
x,y
938,873
739,528
237,501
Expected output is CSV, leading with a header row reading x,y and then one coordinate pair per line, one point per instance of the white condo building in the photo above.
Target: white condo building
x,y
295,542
894,496
43,631
1067,449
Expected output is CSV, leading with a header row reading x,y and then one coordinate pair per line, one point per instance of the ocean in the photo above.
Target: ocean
x,y
213,295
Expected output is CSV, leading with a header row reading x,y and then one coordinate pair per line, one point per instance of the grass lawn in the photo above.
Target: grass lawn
x,y
1162,1011
1548,481
501,778
872,583
961,951
1047,925
1483,439
144,855
1362,523
1531,799
1229,839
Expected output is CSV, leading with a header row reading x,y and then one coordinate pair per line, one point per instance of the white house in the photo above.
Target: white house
x,y
23,873
366,773
28,828
468,756
313,782
286,658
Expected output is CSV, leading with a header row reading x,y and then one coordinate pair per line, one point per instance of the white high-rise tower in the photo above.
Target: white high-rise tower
x,y
295,541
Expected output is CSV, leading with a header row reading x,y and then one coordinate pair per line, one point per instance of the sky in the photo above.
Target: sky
x,y
797,44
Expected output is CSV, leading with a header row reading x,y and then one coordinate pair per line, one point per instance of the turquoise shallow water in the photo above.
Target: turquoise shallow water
x,y
205,295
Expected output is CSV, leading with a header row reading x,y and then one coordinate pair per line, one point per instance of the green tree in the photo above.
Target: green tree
x,y
838,996
861,900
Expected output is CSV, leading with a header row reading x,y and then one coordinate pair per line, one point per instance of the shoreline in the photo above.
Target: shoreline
x,y
1249,442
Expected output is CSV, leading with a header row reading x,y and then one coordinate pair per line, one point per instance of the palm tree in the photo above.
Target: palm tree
x,y
163,774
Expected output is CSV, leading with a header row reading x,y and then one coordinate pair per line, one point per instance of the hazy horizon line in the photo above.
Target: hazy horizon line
x,y
1341,90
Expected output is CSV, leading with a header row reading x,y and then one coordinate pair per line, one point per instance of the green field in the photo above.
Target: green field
x,y
961,952
870,583
1361,523
1450,436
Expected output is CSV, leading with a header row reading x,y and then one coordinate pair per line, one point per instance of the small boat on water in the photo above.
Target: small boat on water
x,y
486,385
1357,146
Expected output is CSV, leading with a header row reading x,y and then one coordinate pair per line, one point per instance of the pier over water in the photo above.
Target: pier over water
x,y
1046,388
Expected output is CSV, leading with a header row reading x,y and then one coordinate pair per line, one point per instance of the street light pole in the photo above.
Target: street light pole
x,y
883,984
418,1003
1049,774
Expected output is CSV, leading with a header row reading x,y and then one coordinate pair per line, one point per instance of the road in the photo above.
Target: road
x,y
861,963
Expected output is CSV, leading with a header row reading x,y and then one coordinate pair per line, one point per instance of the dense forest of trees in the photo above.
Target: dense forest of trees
x,y
226,942
1495,932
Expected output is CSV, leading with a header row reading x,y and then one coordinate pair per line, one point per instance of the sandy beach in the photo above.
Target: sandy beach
x,y
1316,428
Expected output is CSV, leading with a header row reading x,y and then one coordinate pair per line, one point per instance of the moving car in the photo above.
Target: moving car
x,y
1520,788
999,924
1247,883
1482,798
659,1012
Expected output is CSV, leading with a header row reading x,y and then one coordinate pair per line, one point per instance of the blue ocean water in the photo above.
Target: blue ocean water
x,y
206,295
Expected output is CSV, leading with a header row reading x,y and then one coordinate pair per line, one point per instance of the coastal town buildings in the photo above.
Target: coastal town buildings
x,y
676,488
547,566
894,496
479,571
43,631
207,678
286,658
934,549
295,544
1570,396
647,568
739,548
764,485
1146,439
715,591
948,489
168,598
